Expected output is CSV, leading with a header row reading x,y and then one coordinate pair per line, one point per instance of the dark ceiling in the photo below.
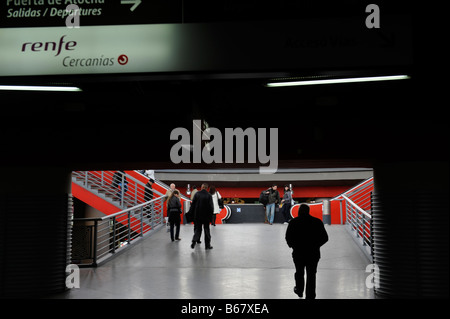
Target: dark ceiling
x,y
125,121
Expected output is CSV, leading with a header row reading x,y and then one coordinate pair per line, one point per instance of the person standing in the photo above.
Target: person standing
x,y
305,234
274,198
174,212
194,191
202,208
169,191
287,204
215,198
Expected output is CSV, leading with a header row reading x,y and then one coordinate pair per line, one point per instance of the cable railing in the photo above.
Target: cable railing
x,y
359,221
358,206
96,240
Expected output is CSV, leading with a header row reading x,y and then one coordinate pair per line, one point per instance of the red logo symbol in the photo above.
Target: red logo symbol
x,y
123,59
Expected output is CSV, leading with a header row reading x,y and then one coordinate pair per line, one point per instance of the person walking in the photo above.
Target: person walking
x,y
287,204
215,198
165,202
174,212
274,198
305,234
202,208
148,196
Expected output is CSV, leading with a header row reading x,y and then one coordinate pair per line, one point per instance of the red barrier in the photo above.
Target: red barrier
x,y
316,210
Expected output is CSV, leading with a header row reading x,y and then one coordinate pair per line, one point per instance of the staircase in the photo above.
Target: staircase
x,y
130,214
101,184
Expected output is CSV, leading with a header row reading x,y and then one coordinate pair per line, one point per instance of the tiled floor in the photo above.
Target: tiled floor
x,y
249,261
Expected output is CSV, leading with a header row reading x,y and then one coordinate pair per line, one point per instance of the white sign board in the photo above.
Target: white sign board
x,y
204,47
87,50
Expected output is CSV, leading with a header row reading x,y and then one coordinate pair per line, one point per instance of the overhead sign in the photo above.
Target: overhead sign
x,y
42,13
255,46
88,50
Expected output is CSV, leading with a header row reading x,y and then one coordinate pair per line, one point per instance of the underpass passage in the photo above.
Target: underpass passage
x,y
249,261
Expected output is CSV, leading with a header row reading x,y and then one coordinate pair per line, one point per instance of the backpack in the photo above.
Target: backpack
x,y
263,197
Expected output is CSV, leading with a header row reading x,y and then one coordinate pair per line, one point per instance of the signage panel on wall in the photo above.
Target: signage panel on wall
x,y
42,13
88,50
193,47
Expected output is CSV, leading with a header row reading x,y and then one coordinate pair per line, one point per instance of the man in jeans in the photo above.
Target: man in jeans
x,y
274,198
306,234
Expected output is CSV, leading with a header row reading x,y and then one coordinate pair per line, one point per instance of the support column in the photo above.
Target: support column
x,y
410,214
35,240
326,212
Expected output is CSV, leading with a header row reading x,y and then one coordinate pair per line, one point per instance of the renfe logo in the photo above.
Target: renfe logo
x,y
50,46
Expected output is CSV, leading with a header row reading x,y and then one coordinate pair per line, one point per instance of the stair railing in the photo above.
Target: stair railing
x,y
116,187
97,240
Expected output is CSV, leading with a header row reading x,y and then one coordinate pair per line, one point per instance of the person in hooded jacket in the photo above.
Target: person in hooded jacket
x,y
305,234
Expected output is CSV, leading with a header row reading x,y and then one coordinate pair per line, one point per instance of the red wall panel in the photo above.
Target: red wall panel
x,y
93,200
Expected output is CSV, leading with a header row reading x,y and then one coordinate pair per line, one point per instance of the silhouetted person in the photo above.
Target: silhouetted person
x,y
306,234
203,208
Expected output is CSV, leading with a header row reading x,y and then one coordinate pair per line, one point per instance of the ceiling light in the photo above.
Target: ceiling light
x,y
40,88
336,81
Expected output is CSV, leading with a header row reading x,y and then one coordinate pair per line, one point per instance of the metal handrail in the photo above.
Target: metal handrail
x,y
99,239
359,221
362,211
111,186
132,208
118,213
357,188
113,233
166,187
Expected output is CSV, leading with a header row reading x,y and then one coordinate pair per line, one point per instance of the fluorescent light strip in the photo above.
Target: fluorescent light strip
x,y
336,81
40,88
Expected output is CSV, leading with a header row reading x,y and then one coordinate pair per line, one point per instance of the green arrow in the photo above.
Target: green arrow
x,y
134,2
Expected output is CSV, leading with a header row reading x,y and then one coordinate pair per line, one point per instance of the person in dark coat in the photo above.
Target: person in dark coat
x,y
148,193
287,204
306,234
274,199
174,212
148,196
203,208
